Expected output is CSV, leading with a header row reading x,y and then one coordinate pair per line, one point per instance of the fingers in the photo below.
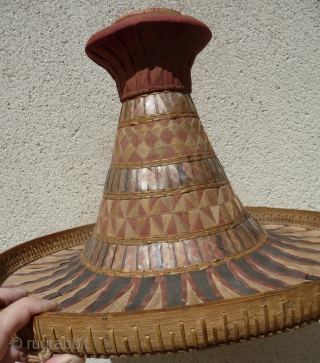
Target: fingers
x,y
9,295
13,355
17,315
66,358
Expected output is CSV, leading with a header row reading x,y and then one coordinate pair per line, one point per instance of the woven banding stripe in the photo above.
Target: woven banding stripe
x,y
171,238
171,271
164,178
162,162
166,192
173,254
166,116
156,106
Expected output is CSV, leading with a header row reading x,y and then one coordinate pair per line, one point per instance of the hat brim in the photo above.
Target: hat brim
x,y
265,291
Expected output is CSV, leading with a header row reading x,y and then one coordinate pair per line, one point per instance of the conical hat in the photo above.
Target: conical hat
x,y
174,260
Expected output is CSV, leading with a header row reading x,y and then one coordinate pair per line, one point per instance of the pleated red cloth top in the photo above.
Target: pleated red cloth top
x,y
144,58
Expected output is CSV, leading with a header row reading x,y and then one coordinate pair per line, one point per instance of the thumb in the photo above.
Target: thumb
x,y
18,314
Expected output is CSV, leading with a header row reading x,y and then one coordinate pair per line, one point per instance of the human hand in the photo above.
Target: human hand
x,y
18,311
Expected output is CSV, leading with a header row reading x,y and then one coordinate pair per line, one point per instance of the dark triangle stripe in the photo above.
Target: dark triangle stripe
x,y
291,238
201,280
301,260
227,275
275,267
144,290
60,281
290,245
78,281
295,250
102,291
42,267
174,290
51,296
116,286
89,289
249,270
60,263
62,270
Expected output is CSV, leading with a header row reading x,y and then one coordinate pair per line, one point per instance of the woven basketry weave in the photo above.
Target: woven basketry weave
x,y
174,261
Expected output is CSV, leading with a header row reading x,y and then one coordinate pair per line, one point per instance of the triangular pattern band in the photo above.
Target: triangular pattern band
x,y
179,211
168,137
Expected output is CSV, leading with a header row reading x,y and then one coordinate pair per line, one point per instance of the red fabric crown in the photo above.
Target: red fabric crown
x,y
144,58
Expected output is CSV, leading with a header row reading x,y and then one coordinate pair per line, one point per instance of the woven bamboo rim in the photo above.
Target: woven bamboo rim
x,y
172,329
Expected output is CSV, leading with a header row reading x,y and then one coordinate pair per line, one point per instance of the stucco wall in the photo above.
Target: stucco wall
x,y
256,87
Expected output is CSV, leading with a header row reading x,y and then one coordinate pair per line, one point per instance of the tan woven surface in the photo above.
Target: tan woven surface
x,y
195,325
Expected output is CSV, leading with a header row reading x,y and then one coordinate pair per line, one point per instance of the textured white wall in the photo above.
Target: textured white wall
x,y
256,87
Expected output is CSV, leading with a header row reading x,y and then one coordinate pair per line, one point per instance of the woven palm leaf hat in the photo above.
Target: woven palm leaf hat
x,y
174,261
